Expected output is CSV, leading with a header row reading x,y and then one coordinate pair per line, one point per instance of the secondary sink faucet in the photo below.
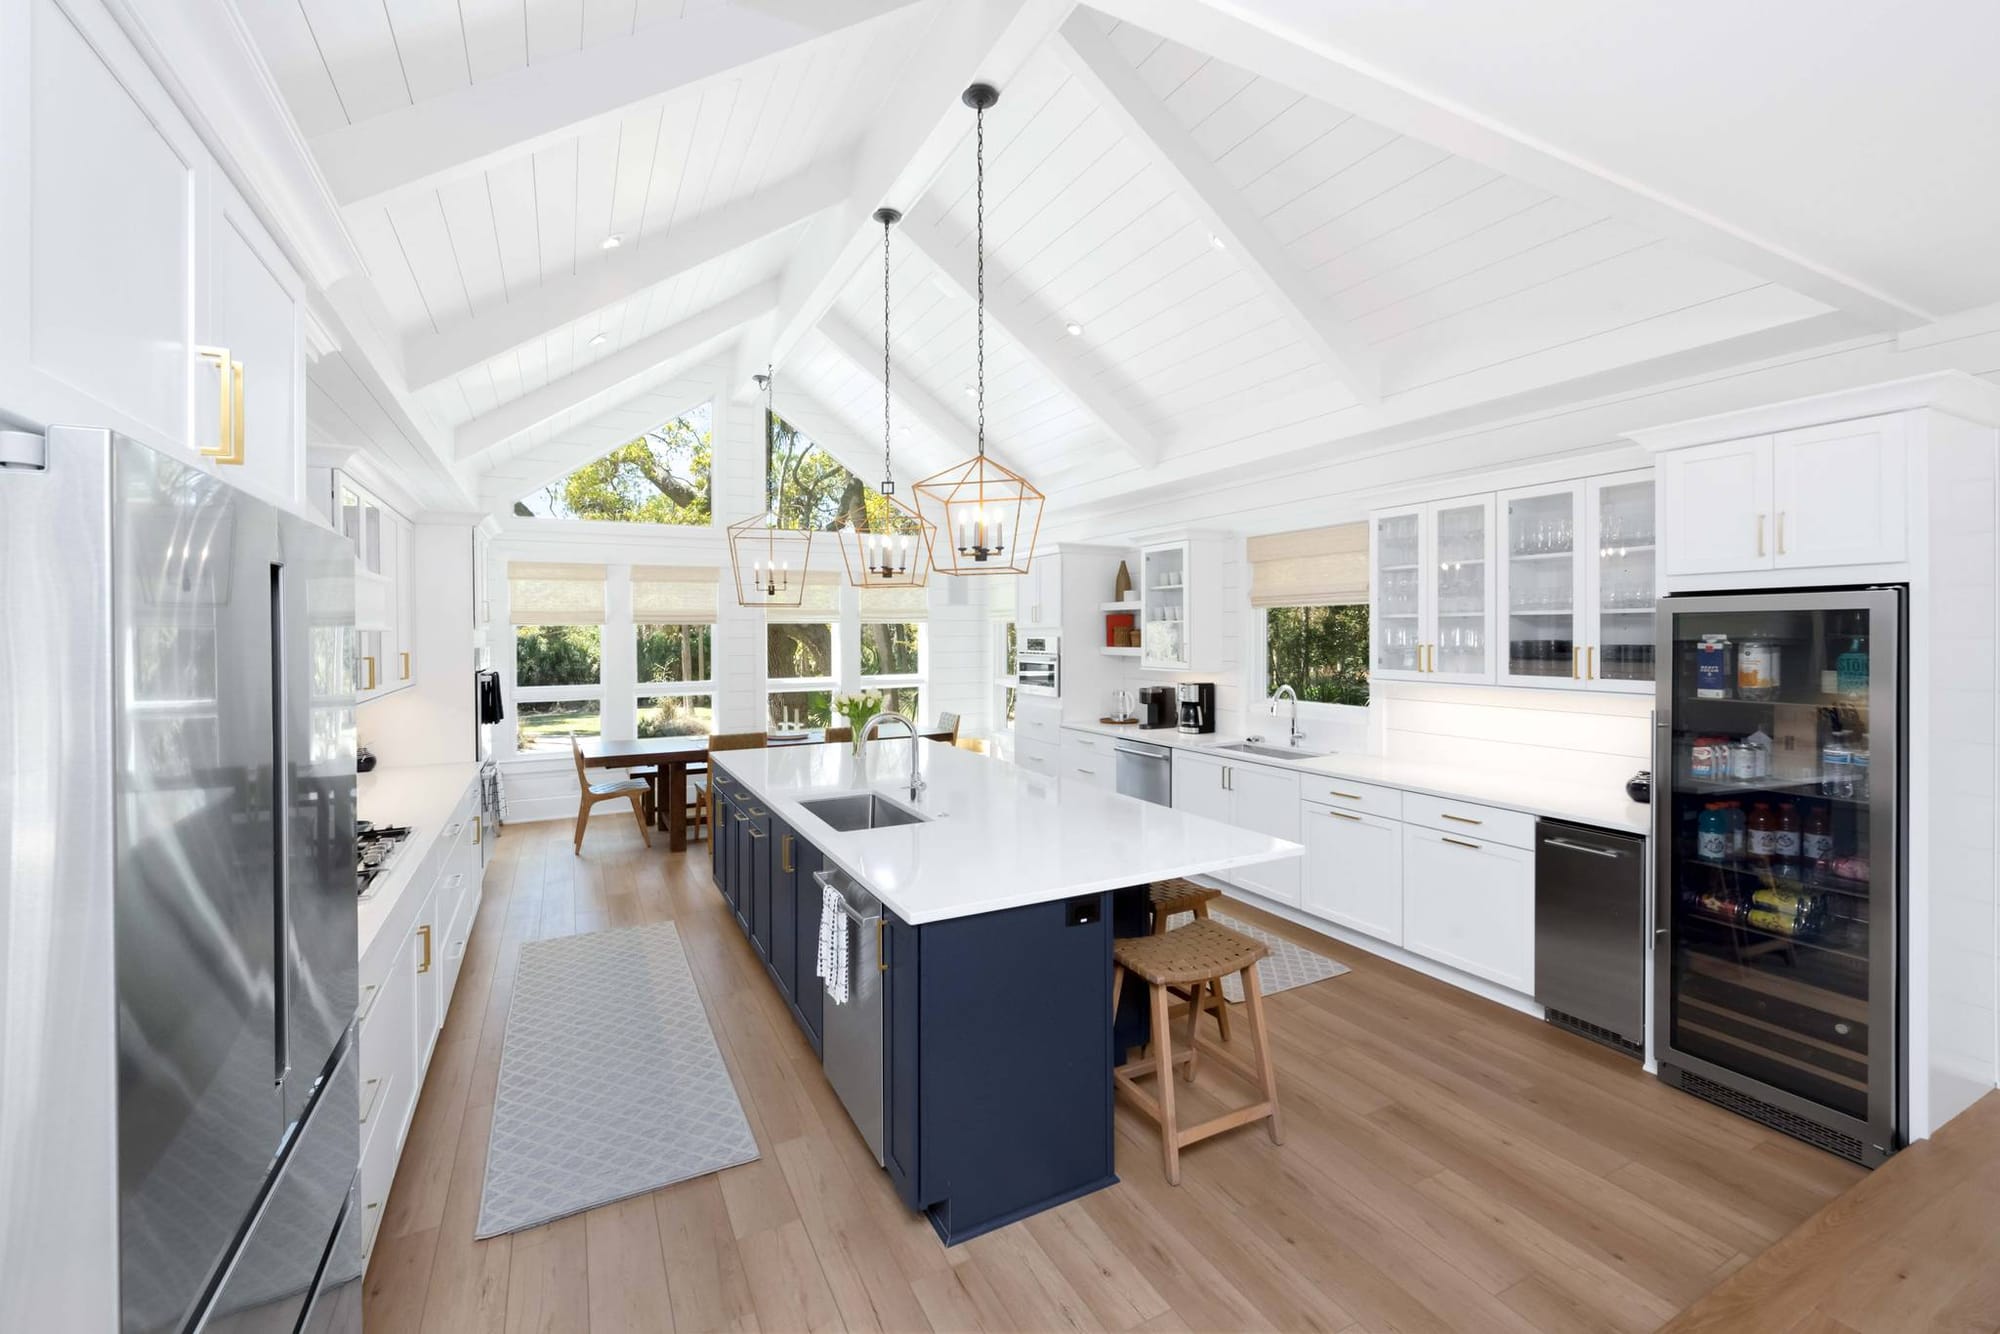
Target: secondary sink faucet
x,y
917,783
1286,692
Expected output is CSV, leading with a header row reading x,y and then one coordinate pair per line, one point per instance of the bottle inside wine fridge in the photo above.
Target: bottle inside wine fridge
x,y
1778,831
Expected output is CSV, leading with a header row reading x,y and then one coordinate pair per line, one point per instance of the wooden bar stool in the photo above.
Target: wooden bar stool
x,y
1200,954
1170,898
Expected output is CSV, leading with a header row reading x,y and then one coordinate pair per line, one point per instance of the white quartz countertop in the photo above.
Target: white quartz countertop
x,y
1000,836
1607,808
424,797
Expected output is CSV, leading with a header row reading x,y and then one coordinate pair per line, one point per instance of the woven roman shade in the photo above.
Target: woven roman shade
x,y
549,593
1000,599
895,606
674,594
1313,567
821,603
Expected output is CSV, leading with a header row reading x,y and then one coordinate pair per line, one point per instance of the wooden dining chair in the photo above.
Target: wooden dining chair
x,y
590,794
948,722
736,741
839,734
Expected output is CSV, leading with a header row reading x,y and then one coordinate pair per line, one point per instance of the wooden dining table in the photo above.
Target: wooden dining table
x,y
674,756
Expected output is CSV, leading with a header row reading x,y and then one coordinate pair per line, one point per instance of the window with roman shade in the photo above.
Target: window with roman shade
x,y
882,606
674,594
821,603
550,593
1312,567
1000,599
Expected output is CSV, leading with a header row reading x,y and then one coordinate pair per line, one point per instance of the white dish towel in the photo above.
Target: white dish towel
x,y
833,943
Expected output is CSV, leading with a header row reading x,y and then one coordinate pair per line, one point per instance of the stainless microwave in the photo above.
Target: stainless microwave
x,y
1038,664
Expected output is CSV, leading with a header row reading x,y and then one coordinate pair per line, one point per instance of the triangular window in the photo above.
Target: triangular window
x,y
663,476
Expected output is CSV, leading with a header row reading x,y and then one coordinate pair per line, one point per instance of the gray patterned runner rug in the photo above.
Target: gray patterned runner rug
x,y
1288,965
611,1084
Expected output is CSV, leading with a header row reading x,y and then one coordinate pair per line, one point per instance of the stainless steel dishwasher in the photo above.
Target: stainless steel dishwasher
x,y
1590,932
851,1031
1145,771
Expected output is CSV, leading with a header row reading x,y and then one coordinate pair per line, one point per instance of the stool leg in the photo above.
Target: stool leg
x,y
1201,909
1260,1037
1163,1053
1159,922
1221,1008
1117,987
1195,1007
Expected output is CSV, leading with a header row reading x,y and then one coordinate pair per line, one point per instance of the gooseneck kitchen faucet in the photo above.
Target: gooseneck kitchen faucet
x,y
1286,692
917,783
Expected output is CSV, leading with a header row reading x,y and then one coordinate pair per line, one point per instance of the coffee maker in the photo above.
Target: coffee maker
x,y
1158,708
1197,700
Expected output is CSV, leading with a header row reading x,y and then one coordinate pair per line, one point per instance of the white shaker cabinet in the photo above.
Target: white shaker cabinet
x,y
1250,797
1201,787
1038,594
1576,584
1353,872
1470,903
1815,497
256,312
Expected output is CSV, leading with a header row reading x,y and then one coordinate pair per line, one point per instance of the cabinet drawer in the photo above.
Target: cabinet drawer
x,y
1490,824
1349,795
1036,727
1037,756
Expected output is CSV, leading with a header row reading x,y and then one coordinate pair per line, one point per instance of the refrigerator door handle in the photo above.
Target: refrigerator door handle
x,y
281,807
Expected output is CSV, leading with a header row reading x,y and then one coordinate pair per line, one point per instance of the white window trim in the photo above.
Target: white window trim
x,y
920,679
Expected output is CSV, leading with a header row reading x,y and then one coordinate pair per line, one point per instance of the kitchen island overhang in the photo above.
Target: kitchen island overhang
x,y
1000,902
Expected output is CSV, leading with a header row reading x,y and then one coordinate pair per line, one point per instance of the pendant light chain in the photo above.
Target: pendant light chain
x,y
980,176
888,478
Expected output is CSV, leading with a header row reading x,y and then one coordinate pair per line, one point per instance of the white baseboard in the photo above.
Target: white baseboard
x,y
1478,986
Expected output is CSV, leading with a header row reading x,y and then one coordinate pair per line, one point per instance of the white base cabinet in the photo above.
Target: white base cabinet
x,y
1353,872
1470,903
1249,797
407,980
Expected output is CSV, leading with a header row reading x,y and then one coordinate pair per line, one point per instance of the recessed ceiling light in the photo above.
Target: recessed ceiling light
x,y
599,339
612,242
1075,329
968,391
1216,241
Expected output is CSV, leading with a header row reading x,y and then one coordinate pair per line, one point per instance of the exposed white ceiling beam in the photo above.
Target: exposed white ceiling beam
x,y
559,396
1062,358
1152,128
465,131
920,126
431,357
858,351
1308,65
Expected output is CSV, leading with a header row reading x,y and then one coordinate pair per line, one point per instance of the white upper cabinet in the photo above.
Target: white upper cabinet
x,y
1841,493
256,312
1577,584
134,281
1433,599
1811,498
1715,507
1181,596
1038,593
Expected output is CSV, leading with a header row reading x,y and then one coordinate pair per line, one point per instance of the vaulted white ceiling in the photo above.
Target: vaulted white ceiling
x,y
1275,225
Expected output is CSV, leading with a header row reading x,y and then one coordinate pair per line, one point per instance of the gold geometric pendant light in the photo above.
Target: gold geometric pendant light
x,y
890,545
769,561
985,517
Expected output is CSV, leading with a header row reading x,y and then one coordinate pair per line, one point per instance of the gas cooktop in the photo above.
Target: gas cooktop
x,y
374,848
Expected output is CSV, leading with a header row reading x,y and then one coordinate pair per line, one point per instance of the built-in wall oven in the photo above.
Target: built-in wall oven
x,y
1038,663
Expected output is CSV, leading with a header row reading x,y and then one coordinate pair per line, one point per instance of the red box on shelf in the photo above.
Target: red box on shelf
x,y
1116,621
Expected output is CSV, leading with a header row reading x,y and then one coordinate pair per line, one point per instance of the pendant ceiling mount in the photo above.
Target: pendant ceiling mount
x,y
985,517
769,562
888,545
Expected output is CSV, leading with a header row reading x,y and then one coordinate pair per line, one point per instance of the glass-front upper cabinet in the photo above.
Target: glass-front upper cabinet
x,y
1576,584
1618,653
1433,591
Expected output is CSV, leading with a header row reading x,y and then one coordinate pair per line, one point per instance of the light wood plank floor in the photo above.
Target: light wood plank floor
x,y
1916,1246
1448,1165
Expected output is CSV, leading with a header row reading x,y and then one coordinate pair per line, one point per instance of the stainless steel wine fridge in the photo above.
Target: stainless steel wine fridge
x,y
1778,832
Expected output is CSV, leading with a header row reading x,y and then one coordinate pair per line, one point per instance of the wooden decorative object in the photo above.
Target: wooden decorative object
x,y
1121,588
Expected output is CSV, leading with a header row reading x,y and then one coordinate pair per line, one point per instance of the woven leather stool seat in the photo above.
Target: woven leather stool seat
x,y
1178,895
1196,957
1197,952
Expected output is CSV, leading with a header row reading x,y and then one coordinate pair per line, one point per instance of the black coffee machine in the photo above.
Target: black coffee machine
x,y
1197,699
1158,708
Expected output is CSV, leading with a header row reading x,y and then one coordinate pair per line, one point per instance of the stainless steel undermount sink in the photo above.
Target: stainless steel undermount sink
x,y
1273,752
862,810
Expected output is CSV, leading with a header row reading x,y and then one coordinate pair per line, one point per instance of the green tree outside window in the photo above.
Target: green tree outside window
x,y
663,476
1321,652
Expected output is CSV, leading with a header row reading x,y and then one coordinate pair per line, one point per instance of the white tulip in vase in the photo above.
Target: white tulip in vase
x,y
858,708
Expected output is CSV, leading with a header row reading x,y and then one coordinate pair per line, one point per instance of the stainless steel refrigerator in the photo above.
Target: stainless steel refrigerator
x,y
178,1104
1779,842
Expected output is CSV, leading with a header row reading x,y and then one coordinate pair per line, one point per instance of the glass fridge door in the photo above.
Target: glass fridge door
x,y
1779,865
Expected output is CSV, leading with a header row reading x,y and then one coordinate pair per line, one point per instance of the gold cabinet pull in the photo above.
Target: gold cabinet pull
x,y
425,932
1461,843
406,665
881,945
1462,819
1590,663
478,827
1575,670
1760,534
236,378
225,416
370,660
1345,815
785,856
